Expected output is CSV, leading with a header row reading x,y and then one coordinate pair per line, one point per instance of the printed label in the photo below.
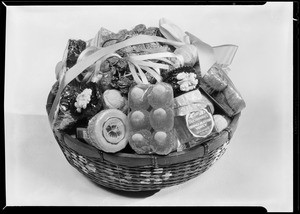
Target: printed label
x,y
113,130
200,123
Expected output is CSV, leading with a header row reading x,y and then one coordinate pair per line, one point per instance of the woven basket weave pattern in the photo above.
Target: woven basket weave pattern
x,y
140,178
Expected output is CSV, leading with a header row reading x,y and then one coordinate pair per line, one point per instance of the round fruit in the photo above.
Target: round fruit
x,y
160,95
160,137
162,119
139,119
138,97
138,137
137,94
159,114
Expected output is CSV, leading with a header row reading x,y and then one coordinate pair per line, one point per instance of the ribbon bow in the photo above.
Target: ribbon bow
x,y
207,55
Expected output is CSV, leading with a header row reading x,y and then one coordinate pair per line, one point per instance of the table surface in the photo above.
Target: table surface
x,y
256,169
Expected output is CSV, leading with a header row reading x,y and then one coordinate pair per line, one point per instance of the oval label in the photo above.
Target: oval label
x,y
200,123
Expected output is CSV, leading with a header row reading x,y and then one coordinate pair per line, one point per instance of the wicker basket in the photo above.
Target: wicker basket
x,y
133,172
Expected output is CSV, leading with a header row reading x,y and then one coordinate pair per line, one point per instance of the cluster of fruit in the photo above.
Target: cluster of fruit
x,y
151,119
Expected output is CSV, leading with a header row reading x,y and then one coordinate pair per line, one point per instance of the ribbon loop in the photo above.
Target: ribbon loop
x,y
172,31
224,54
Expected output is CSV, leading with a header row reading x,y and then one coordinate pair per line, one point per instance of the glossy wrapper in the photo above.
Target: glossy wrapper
x,y
218,86
68,115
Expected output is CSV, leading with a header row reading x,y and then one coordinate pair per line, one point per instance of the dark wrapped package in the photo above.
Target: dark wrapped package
x,y
180,76
218,86
78,103
75,47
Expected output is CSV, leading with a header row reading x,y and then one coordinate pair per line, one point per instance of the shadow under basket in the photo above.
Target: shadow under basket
x,y
133,172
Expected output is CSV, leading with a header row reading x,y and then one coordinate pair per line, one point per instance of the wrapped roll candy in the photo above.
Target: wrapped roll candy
x,y
108,130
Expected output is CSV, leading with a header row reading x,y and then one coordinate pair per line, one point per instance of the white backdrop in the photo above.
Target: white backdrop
x,y
256,169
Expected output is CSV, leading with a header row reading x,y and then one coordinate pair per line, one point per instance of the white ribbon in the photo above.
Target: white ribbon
x,y
207,55
174,36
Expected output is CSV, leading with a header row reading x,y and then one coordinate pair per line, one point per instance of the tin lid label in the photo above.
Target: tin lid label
x,y
200,123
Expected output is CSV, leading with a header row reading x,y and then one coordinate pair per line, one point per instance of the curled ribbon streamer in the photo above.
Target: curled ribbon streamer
x,y
134,73
141,73
152,56
154,73
151,64
167,61
158,56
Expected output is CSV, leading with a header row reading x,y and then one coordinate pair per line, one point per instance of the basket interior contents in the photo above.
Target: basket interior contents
x,y
145,91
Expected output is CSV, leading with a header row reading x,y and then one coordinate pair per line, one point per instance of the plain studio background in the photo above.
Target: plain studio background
x,y
256,169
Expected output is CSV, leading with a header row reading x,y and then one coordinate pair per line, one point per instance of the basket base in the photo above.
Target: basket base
x,y
140,179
